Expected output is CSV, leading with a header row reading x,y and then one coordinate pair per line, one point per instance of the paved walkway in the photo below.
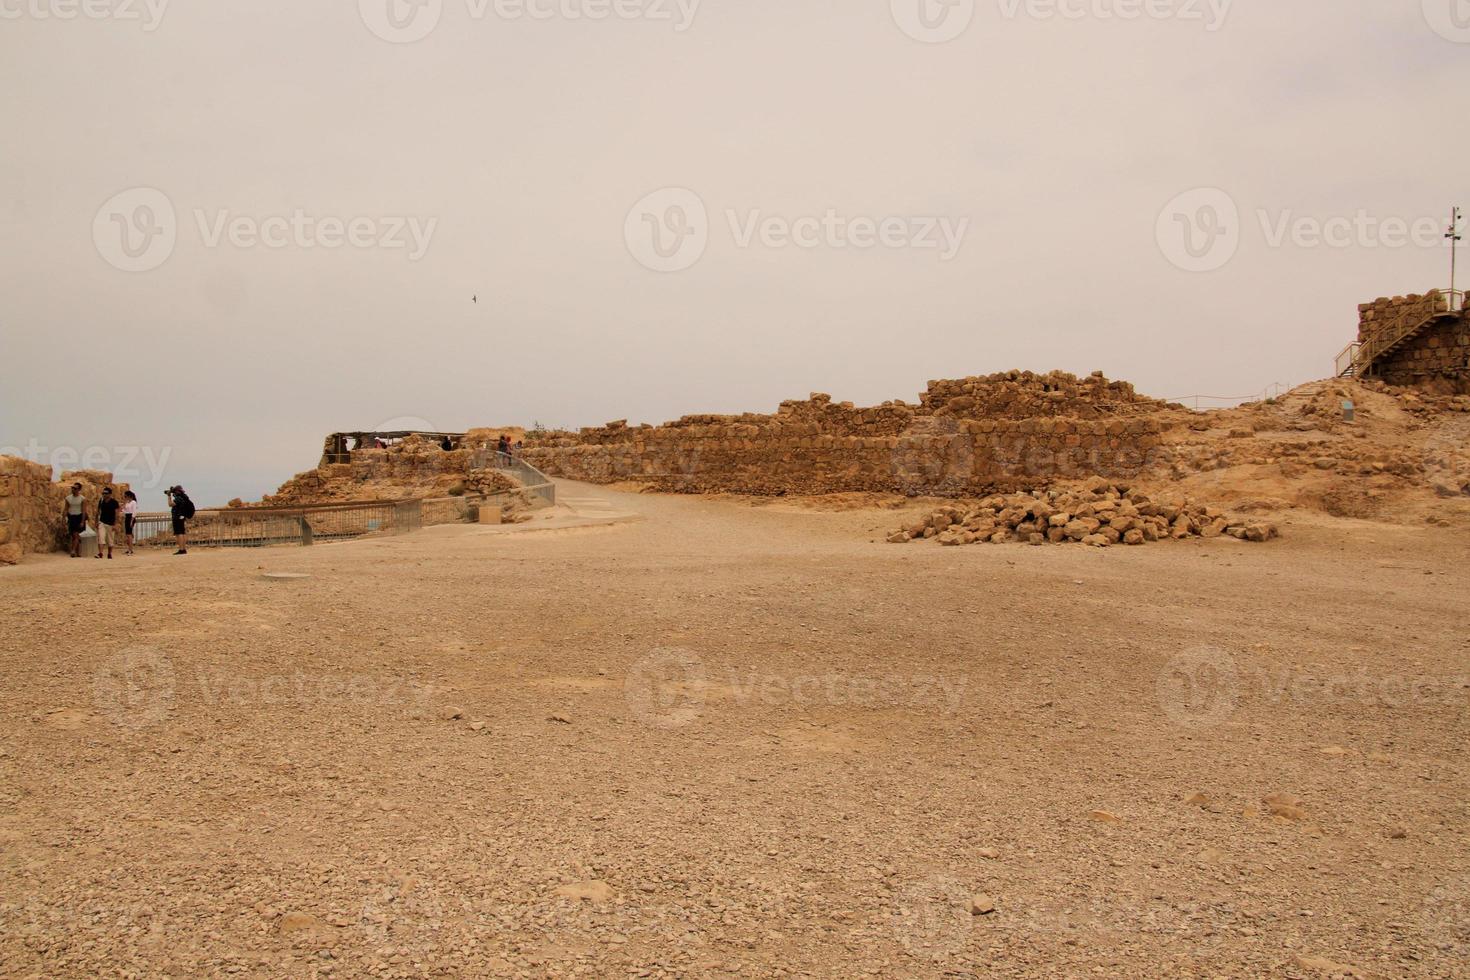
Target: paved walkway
x,y
586,500
577,505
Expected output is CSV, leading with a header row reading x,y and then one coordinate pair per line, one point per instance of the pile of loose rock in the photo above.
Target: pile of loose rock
x,y
1098,515
1421,401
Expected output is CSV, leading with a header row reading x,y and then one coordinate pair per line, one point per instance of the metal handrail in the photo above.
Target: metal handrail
x,y
1239,399
532,479
254,527
1444,302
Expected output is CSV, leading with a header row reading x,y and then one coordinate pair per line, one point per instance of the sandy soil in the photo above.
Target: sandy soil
x,y
744,740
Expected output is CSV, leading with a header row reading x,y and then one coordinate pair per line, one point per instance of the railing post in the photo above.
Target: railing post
x,y
306,533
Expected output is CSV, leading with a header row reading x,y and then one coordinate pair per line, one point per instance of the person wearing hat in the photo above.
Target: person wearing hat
x,y
106,522
74,509
180,508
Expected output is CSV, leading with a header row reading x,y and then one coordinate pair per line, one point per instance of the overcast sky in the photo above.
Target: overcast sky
x,y
231,227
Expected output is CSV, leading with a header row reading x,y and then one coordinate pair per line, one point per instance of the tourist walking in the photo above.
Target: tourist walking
x,y
130,519
75,510
107,510
181,509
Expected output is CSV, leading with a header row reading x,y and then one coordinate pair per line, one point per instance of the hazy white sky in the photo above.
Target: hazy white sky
x,y
872,193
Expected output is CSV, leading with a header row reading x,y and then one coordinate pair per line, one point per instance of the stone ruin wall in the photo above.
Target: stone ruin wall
x,y
1438,359
975,435
26,513
415,467
30,505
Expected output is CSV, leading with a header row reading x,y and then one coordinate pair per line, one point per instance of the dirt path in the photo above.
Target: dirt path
x,y
758,740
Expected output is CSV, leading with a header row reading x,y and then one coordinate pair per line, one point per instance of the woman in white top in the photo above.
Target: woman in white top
x,y
130,516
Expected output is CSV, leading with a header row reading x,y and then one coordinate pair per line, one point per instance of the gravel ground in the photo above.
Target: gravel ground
x,y
735,739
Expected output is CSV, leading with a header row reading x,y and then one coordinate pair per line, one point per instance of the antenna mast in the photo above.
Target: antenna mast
x,y
1454,237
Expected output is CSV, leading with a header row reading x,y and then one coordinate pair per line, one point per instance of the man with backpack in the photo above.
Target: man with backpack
x,y
181,509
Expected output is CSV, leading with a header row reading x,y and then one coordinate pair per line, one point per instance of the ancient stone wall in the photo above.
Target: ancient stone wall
x,y
1386,314
1004,432
1437,358
27,514
1023,395
415,467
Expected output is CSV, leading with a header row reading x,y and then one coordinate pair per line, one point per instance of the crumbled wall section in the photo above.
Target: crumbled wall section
x,y
998,433
415,467
27,514
1436,358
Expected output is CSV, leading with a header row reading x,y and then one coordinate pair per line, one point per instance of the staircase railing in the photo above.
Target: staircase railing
x,y
1443,302
532,479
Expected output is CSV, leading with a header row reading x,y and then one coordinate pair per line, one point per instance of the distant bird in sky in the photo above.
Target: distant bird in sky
x,y
475,298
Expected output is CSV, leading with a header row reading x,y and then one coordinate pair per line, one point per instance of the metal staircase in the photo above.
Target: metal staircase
x,y
1357,360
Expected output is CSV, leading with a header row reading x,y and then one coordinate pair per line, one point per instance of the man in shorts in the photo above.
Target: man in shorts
x,y
106,522
74,509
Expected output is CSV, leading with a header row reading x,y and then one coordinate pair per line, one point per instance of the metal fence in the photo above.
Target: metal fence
x,y
257,527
